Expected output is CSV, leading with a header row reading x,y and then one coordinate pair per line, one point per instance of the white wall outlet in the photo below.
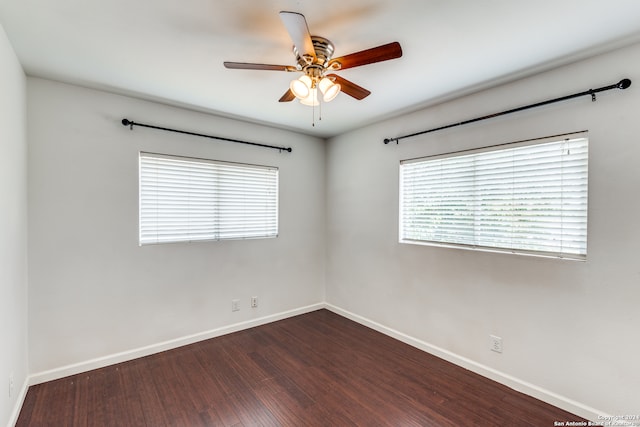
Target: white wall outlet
x,y
11,385
254,302
235,305
495,343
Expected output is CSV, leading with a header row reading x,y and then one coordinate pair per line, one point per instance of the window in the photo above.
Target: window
x,y
184,199
528,197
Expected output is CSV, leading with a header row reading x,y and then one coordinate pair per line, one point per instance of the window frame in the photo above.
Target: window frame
x,y
569,253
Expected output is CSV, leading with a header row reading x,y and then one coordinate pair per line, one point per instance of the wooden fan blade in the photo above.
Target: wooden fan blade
x,y
298,30
369,56
350,88
250,66
287,97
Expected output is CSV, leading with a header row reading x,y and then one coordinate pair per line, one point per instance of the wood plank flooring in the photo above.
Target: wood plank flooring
x,y
317,369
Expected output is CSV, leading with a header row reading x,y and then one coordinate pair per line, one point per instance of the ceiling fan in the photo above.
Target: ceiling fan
x,y
314,59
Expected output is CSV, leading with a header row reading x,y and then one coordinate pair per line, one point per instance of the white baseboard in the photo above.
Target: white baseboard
x,y
124,356
517,384
13,418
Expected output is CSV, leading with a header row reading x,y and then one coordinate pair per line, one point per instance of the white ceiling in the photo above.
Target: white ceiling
x,y
172,51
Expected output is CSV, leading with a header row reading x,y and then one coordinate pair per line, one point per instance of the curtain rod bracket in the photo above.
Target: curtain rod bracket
x,y
622,84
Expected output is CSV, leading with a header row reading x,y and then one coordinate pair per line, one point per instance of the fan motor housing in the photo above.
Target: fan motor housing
x,y
323,49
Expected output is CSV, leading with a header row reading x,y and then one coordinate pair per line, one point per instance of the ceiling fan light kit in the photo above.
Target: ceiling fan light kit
x,y
314,59
306,89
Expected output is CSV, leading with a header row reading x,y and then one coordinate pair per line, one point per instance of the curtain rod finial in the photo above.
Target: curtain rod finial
x,y
624,83
127,122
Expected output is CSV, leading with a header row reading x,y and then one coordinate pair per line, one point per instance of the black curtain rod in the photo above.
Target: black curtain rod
x,y
622,84
131,124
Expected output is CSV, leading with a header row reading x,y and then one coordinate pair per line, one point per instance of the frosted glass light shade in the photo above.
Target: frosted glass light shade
x,y
329,89
301,87
311,99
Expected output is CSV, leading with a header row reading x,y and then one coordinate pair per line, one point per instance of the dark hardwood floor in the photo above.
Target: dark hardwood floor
x,y
317,369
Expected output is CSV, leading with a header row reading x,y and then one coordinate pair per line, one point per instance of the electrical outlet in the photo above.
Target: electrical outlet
x,y
11,382
254,302
235,305
495,343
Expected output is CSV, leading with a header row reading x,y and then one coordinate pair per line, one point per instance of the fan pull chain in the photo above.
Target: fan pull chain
x,y
313,108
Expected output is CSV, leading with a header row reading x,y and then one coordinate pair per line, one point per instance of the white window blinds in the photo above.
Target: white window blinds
x,y
528,197
185,199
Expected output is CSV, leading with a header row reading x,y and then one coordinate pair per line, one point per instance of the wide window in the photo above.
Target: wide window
x,y
185,199
528,197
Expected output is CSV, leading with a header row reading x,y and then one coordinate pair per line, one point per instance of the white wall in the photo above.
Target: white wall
x,y
13,230
570,329
94,293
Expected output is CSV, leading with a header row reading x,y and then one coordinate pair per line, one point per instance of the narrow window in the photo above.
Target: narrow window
x,y
186,199
527,197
